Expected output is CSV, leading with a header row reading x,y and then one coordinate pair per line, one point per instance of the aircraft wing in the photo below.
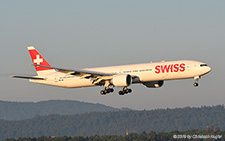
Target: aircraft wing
x,y
97,76
78,72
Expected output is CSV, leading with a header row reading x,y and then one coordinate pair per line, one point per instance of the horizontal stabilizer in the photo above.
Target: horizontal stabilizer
x,y
28,77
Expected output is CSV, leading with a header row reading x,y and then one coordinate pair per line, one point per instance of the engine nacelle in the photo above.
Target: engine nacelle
x,y
153,84
121,80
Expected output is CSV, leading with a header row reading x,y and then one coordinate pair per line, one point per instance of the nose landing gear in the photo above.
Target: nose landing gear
x,y
196,80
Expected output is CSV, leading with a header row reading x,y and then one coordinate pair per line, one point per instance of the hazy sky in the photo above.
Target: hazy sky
x,y
85,34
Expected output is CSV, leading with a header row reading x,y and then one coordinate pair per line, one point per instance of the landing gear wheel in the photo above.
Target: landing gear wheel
x,y
106,91
102,92
125,91
129,90
195,84
111,90
121,92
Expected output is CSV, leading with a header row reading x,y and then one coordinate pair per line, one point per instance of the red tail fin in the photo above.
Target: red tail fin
x,y
38,59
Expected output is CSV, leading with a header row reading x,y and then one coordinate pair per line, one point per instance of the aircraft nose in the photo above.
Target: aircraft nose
x,y
208,69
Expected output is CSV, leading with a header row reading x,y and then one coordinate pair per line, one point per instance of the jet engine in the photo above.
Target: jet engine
x,y
121,80
153,84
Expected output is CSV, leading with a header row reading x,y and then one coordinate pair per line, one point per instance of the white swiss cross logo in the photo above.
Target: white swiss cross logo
x,y
38,60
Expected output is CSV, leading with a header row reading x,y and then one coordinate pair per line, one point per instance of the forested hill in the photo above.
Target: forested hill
x,y
25,110
115,123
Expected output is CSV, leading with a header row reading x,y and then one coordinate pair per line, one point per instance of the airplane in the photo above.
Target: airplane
x,y
152,75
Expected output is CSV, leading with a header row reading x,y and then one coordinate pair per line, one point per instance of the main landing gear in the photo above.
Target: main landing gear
x,y
106,91
196,80
107,88
125,91
110,90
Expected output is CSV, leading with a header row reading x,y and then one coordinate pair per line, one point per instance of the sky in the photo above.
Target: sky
x,y
85,34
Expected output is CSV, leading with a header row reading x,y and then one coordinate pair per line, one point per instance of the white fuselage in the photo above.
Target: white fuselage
x,y
145,72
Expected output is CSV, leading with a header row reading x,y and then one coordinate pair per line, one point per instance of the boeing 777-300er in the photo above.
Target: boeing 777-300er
x,y
152,75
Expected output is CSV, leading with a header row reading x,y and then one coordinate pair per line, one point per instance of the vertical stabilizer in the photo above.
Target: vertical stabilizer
x,y
37,59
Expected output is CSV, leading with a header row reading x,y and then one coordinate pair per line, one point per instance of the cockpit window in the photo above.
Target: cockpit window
x,y
203,65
